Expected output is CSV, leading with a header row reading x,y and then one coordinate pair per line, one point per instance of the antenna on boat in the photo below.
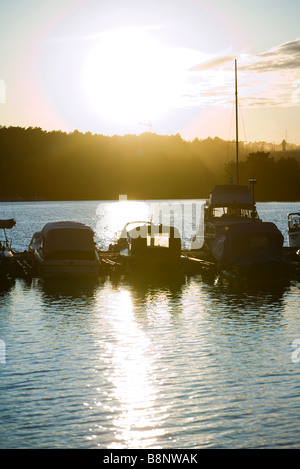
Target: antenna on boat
x,y
236,126
253,182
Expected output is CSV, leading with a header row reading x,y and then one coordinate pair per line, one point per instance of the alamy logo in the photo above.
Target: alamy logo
x,y
2,352
186,217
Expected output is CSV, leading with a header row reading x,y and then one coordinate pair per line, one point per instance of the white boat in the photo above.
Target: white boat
x,y
65,248
294,229
151,248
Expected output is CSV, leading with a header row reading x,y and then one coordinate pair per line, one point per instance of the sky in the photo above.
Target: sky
x,y
167,66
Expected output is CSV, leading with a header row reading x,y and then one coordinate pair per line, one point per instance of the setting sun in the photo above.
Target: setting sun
x,y
129,76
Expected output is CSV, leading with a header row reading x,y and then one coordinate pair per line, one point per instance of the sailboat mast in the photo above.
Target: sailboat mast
x,y
236,126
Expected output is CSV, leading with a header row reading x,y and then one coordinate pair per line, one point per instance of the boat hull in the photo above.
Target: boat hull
x,y
68,267
264,270
152,264
7,265
255,249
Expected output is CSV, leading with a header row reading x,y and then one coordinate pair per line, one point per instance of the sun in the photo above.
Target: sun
x,y
129,76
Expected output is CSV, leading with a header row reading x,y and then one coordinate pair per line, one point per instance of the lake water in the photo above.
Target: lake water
x,y
132,363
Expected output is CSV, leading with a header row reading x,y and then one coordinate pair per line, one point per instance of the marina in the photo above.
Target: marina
x,y
149,228
24,264
231,238
231,243
126,361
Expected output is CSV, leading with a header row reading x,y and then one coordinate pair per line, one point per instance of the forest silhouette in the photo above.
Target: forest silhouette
x,y
37,164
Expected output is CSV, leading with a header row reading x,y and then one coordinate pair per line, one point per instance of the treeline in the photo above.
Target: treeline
x,y
76,166
278,179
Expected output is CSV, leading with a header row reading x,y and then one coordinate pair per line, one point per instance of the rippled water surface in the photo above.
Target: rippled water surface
x,y
138,363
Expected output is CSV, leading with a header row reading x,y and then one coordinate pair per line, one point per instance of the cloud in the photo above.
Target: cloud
x,y
283,57
268,79
214,63
272,76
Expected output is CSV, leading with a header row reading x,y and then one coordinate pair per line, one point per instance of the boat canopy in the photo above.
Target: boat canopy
x,y
7,224
71,237
56,225
222,195
245,242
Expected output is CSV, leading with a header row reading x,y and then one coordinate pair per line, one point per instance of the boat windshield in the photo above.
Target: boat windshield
x,y
294,221
229,211
158,240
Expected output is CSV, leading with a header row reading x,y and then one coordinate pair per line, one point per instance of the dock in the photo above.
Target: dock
x,y
194,262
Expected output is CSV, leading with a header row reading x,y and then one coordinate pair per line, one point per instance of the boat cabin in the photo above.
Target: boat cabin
x,y
294,221
67,240
234,201
154,239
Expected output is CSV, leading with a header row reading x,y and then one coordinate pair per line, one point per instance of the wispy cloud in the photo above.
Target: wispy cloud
x,y
214,63
271,78
283,57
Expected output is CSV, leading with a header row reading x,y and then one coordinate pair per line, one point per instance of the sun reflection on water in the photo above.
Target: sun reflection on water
x,y
112,217
136,419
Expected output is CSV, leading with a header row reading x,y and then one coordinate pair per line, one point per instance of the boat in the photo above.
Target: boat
x,y
7,224
233,235
65,248
7,265
294,229
151,248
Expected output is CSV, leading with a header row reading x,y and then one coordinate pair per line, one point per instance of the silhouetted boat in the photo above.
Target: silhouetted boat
x,y
233,234
151,248
7,266
7,224
65,248
294,229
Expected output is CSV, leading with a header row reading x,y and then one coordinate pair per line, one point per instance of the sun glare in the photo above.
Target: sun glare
x,y
129,77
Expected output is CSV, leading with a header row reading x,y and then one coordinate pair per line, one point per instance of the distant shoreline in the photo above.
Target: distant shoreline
x,y
37,199
42,166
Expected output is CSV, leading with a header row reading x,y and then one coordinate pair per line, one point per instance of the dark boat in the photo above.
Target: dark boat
x,y
234,236
65,248
7,224
149,248
7,265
